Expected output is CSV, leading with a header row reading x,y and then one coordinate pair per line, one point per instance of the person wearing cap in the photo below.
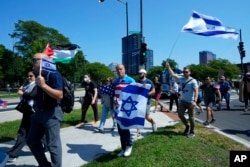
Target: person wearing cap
x,y
144,80
225,89
246,89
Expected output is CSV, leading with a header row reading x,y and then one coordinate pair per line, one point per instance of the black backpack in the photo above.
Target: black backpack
x,y
68,100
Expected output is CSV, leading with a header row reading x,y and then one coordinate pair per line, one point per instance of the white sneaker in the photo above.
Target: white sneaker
x,y
128,151
12,159
120,154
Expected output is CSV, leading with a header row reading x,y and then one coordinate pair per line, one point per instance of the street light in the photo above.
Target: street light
x,y
127,41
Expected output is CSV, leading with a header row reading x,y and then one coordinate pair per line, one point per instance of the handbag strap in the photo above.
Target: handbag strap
x,y
186,83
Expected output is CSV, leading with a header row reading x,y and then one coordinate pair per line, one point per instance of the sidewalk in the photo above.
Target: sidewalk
x,y
83,145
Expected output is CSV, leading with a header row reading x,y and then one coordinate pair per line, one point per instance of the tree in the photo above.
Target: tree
x,y
33,37
212,69
98,72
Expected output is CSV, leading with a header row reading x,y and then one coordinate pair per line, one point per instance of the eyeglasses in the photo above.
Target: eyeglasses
x,y
35,60
30,76
185,72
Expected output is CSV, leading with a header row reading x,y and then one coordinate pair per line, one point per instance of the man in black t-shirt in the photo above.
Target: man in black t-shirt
x,y
90,98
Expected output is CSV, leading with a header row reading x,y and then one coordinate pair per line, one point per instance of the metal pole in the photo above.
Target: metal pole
x,y
241,58
127,41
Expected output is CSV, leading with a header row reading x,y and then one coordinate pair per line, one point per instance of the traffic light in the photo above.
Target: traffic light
x,y
242,50
143,54
241,46
243,53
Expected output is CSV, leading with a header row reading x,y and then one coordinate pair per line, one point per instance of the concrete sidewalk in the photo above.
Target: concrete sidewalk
x,y
83,145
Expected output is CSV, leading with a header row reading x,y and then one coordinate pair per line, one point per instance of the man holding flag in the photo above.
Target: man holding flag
x,y
125,136
48,114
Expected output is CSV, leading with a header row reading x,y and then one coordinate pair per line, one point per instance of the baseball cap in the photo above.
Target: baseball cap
x,y
143,71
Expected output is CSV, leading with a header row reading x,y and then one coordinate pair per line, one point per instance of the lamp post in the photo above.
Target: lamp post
x,y
127,41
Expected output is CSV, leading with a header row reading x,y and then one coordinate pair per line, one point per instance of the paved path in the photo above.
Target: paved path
x,y
81,146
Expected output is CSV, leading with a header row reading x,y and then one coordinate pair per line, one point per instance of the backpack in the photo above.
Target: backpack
x,y
68,100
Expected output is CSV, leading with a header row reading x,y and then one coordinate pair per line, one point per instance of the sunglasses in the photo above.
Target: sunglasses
x,y
30,76
35,60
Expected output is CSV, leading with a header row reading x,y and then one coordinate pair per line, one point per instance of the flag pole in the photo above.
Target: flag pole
x,y
171,51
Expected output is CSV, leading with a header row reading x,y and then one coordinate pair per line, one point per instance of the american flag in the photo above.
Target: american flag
x,y
107,90
130,104
3,103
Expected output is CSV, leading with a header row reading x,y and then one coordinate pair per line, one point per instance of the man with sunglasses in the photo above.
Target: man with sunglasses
x,y
188,99
48,115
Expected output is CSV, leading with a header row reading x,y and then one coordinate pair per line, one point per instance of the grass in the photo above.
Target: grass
x,y
166,147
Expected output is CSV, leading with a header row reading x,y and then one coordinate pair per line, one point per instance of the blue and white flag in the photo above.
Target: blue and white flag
x,y
48,65
208,26
130,104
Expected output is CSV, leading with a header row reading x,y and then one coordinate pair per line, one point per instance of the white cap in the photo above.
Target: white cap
x,y
143,71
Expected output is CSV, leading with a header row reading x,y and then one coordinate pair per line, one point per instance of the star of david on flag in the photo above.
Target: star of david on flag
x,y
130,104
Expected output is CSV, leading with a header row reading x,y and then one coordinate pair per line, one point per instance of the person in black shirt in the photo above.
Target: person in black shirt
x,y
90,98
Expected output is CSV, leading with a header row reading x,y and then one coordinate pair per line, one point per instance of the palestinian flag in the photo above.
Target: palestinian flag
x,y
62,53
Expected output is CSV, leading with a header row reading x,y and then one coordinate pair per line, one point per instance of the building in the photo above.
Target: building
x,y
150,59
206,56
131,46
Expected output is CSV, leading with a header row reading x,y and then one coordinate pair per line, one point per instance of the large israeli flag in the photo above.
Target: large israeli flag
x,y
208,26
130,104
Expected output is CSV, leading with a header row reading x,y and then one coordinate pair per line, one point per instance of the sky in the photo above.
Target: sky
x,y
98,27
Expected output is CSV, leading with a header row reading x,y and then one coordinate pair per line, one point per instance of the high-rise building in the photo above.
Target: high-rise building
x,y
150,59
206,56
131,54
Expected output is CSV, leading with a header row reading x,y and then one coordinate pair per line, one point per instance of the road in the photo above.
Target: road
x,y
235,123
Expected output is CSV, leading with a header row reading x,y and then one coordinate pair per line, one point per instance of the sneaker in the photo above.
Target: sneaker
x,y
79,125
154,128
99,130
138,134
120,154
12,159
212,121
186,131
206,123
128,151
191,135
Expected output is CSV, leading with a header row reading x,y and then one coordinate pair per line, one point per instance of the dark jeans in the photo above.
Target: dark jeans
x,y
183,106
21,135
173,98
246,98
226,96
125,137
85,106
46,123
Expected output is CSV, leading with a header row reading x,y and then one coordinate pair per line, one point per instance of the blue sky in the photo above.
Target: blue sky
x,y
98,27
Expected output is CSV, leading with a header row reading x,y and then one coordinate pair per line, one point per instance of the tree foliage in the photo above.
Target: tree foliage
x,y
98,72
213,68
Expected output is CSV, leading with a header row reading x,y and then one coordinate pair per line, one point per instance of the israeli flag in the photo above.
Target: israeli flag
x,y
208,26
130,104
48,65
